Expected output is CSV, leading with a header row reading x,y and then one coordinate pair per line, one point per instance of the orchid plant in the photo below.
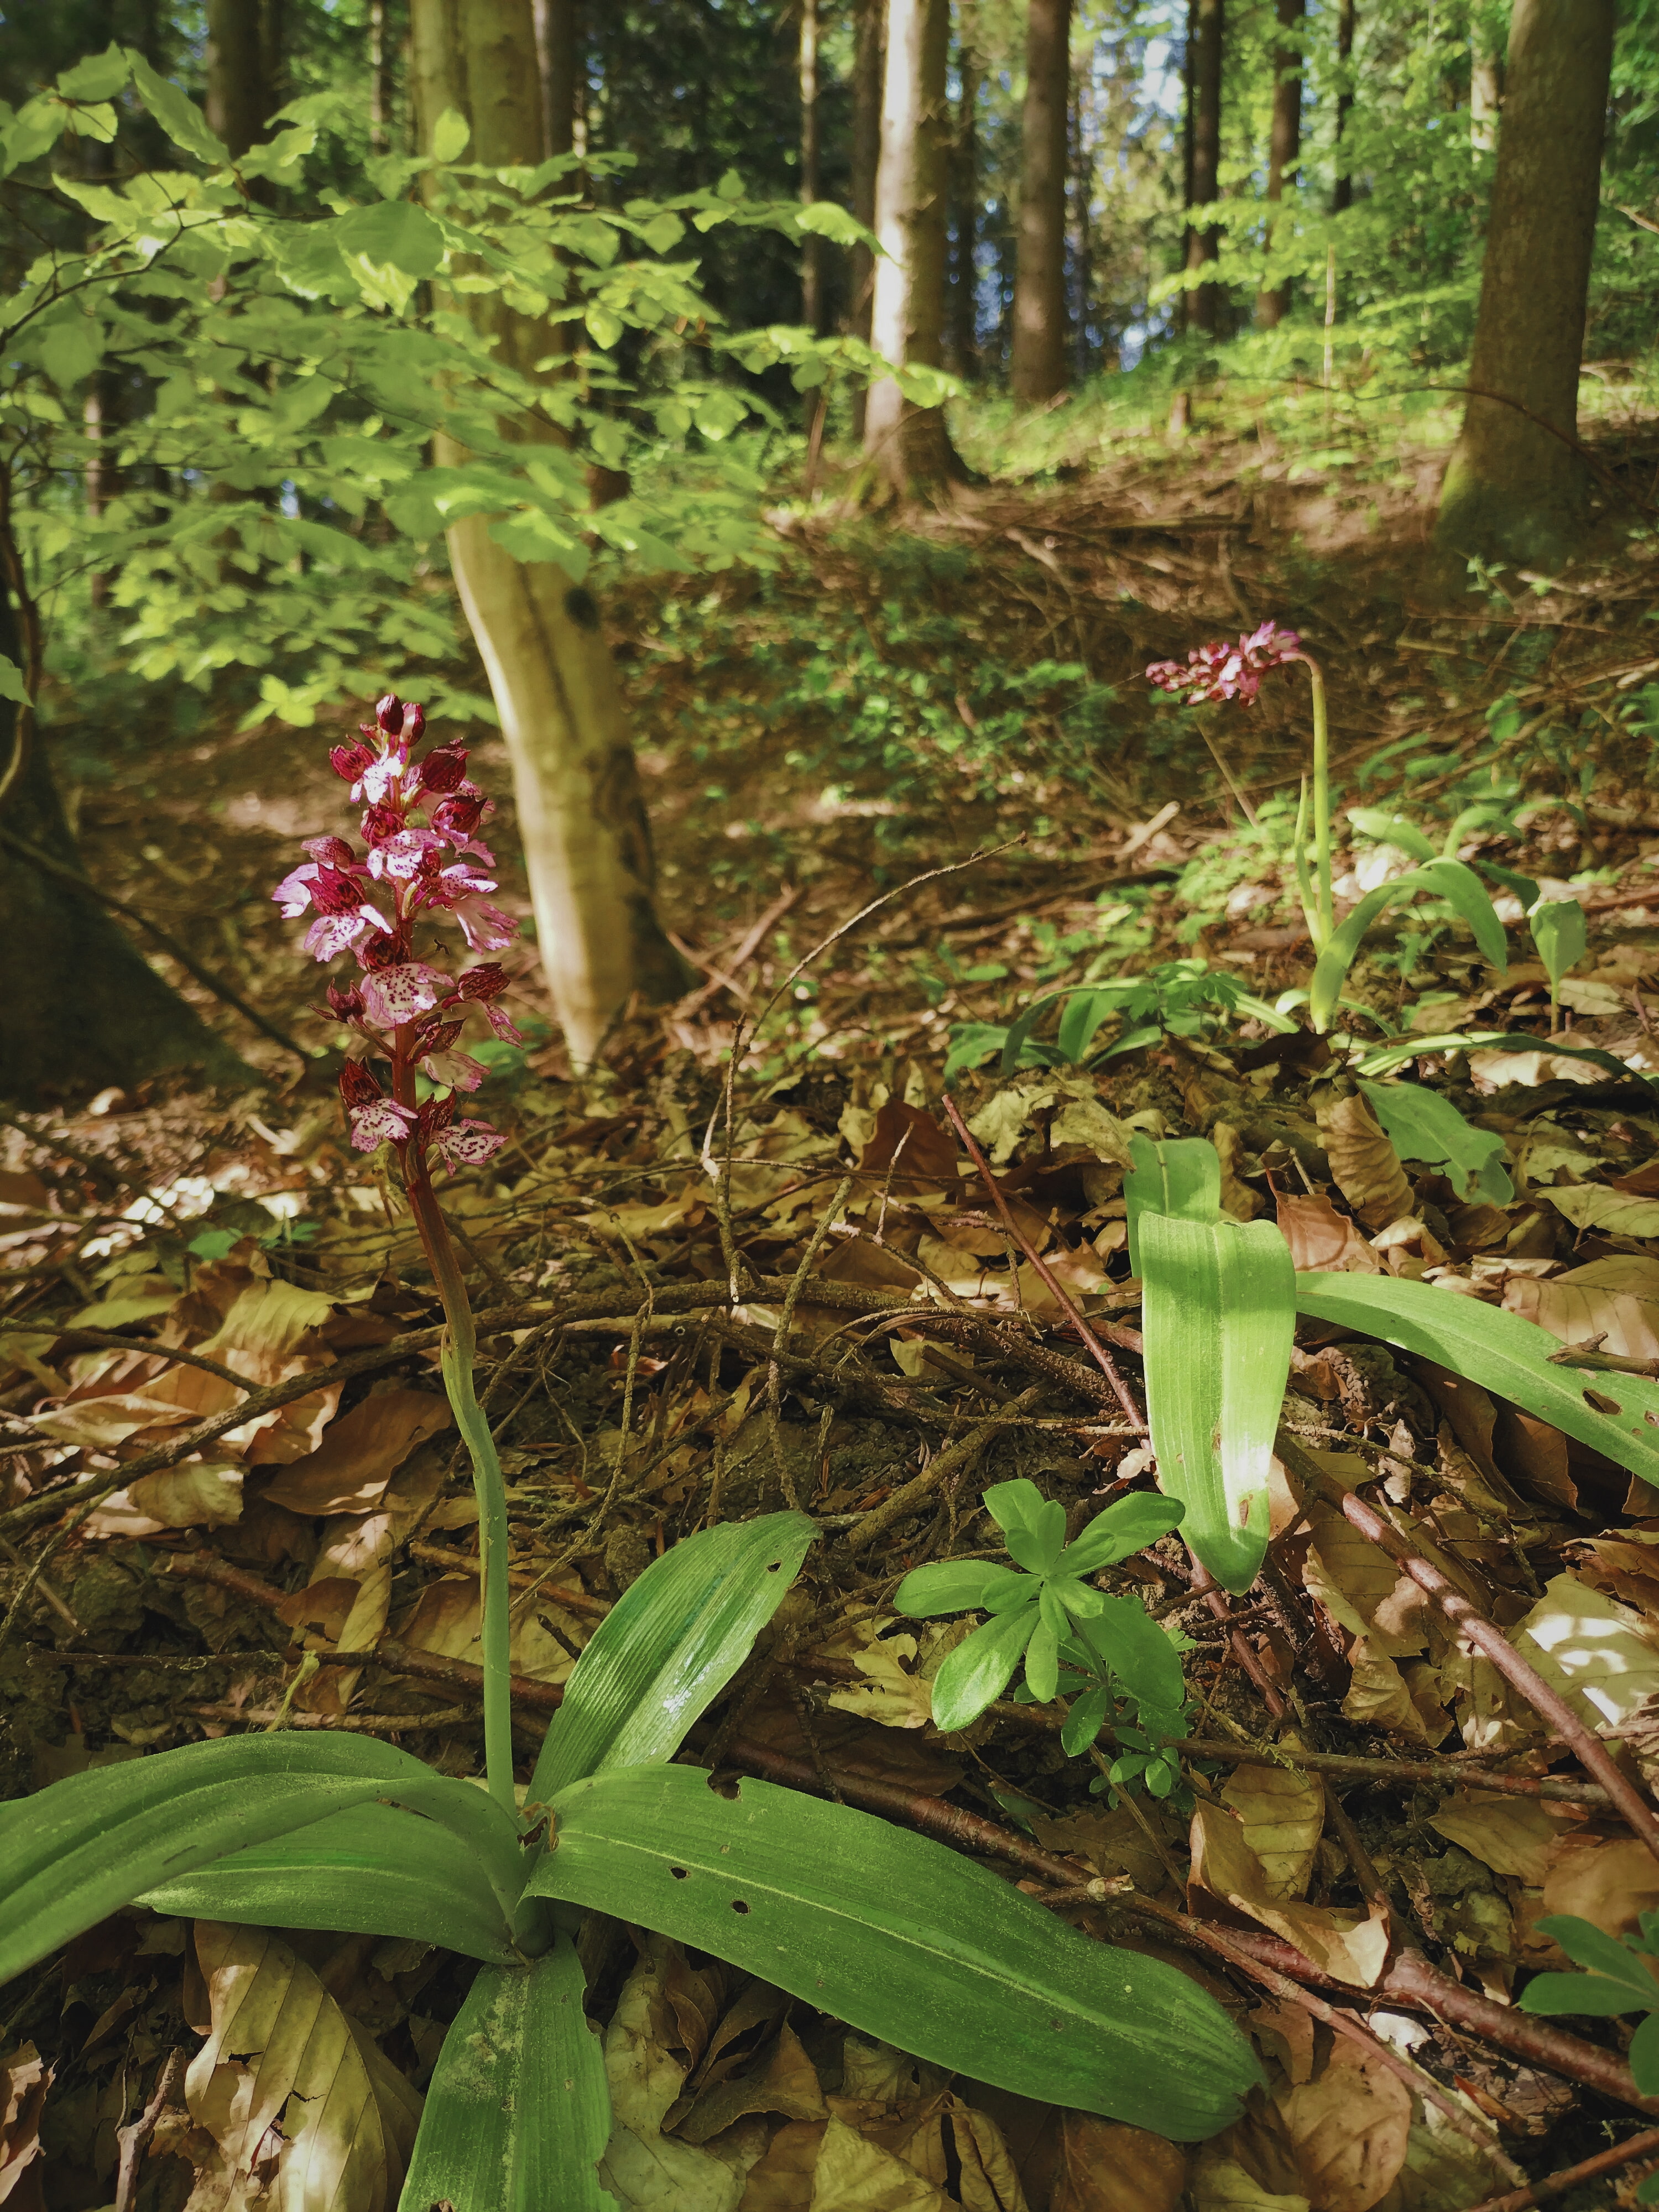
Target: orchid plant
x,y
423,863
896,1935
1220,672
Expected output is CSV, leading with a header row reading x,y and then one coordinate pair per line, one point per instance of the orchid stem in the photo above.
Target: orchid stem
x,y
460,1347
1321,801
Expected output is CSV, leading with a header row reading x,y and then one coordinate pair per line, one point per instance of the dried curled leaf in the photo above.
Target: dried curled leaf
x,y
1363,1162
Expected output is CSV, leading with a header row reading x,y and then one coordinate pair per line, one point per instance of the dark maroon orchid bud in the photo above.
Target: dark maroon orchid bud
x,y
347,1004
460,815
351,761
487,980
390,950
333,891
436,1114
358,1085
389,713
330,852
444,770
380,822
414,724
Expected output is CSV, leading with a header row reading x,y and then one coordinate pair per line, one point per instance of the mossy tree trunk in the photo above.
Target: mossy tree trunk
x,y
1284,144
1036,372
582,816
1205,36
1514,490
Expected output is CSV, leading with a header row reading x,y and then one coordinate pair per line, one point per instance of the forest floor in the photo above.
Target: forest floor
x,y
887,702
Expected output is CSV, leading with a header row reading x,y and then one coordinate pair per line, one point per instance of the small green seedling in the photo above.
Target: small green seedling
x,y
1559,933
1424,1125
1620,1979
1051,1614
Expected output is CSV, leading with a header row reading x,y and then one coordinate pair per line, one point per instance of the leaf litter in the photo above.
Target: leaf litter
x,y
687,1318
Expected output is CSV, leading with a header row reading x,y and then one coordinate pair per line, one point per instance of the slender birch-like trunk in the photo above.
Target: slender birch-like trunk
x,y
908,445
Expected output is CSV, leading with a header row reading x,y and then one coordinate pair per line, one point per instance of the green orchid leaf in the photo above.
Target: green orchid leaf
x,y
1505,1354
951,1586
1085,1722
1180,1176
978,1671
1383,828
1448,879
1643,2056
1119,1530
669,1646
1218,1306
1591,1947
1130,1642
1559,932
1387,1057
1424,1125
1134,1040
1083,1016
904,1940
519,2113
79,1850
1019,1032
1591,1995
374,1870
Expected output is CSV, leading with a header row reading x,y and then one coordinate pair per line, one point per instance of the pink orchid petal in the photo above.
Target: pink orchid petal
x,y
467,1144
383,1123
391,995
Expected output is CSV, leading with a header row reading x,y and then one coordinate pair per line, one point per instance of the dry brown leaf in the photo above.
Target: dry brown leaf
x,y
1324,1241
781,2081
1350,2127
1513,1835
1282,1815
194,1494
1291,2029
1591,1648
1112,1842
1495,1070
1237,1199
356,1551
893,1692
659,2028
1351,1947
1609,1882
1616,1298
445,1621
1107,2167
1364,1161
289,2097
350,1468
1221,2184
1626,1564
1594,1206
103,1424
921,1155
25,2078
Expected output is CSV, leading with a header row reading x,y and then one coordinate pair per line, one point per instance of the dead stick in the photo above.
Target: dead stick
x,y
1486,1637
1646,2145
1130,1338
134,2139
914,1494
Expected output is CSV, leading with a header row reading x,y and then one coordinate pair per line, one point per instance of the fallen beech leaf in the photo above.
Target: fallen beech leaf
x,y
891,1693
1107,2167
781,2082
195,1494
106,1422
1513,1835
1627,1565
1608,1882
1350,2126
1323,1241
1363,1162
1591,1648
1112,1842
294,2100
1223,2185
920,1154
25,2078
1352,1948
1283,1812
445,1621
350,1468
1594,1206
1615,1298
356,1551
1291,2031
1494,1069
1443,2171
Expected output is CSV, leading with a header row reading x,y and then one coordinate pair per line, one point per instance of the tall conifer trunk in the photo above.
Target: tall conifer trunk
x,y
1038,362
582,816
1514,490
962,351
1284,144
908,445
238,92
1342,190
1206,36
869,33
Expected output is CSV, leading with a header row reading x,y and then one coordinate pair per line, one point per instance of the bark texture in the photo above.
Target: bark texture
x,y
961,335
1284,144
83,1008
1514,490
811,246
239,88
1206,36
869,35
582,816
908,445
1037,369
558,54
1342,190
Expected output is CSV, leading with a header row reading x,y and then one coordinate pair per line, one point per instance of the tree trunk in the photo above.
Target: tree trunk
x,y
908,444
1083,181
1037,369
1205,36
236,102
1515,491
1284,146
558,56
962,349
380,80
1485,88
582,816
811,246
1342,190
869,35
83,1008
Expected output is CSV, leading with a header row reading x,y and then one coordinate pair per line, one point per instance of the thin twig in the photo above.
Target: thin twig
x,y
1646,2145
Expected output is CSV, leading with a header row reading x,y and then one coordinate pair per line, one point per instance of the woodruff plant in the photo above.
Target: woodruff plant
x,y
895,1935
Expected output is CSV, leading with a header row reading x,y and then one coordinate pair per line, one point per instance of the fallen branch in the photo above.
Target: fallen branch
x,y
1646,2145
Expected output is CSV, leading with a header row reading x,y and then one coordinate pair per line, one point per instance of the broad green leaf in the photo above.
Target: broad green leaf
x,y
952,1586
1082,1017
177,114
1448,879
1137,1651
1218,1306
100,76
77,1851
12,685
392,233
1643,2056
1593,1948
1385,828
1036,1544
668,1647
518,2114
1558,932
1119,1530
1387,1057
1085,1722
978,1671
1016,1505
1594,1996
1505,1354
1181,1175
1424,1125
1019,1032
1042,1659
450,136
33,131
374,1870
904,1940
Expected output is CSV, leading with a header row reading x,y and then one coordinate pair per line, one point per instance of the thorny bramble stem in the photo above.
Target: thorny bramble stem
x,y
424,860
